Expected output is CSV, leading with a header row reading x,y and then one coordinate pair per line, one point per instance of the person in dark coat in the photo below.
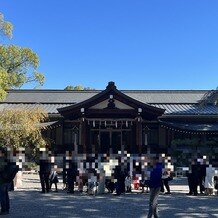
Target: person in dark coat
x,y
190,182
44,171
122,181
71,176
64,174
216,184
118,180
198,173
8,170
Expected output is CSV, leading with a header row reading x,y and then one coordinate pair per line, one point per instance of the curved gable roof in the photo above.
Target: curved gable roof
x,y
111,90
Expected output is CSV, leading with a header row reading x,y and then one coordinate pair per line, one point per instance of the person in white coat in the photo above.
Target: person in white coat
x,y
209,180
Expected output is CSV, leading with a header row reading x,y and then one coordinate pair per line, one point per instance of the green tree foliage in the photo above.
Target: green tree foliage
x,y
77,87
19,127
18,65
17,62
6,28
186,149
3,84
180,157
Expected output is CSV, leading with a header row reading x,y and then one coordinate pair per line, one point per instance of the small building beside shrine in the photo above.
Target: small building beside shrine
x,y
135,121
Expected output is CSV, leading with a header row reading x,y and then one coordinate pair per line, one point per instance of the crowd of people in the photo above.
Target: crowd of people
x,y
87,173
120,180
157,179
95,175
202,175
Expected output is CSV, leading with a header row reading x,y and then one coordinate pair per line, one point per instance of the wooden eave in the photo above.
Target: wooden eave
x,y
127,113
193,118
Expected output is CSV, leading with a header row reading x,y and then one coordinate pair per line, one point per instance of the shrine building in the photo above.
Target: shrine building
x,y
112,120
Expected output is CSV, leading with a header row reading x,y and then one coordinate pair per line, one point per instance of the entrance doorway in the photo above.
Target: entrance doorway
x,y
111,140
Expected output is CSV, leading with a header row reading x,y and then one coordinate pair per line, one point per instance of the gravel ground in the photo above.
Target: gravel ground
x,y
27,201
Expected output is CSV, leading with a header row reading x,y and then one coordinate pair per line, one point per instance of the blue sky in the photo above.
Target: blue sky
x,y
138,44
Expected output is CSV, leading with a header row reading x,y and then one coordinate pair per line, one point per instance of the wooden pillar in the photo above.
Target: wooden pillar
x,y
63,140
83,135
139,134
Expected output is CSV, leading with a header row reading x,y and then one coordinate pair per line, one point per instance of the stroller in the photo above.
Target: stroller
x,y
144,184
92,186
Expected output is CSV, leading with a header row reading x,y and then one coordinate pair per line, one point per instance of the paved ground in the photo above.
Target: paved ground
x,y
29,202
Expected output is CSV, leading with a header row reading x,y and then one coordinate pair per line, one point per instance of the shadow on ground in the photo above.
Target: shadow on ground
x,y
34,204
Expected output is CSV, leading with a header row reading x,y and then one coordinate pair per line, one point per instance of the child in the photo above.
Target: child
x,y
165,179
128,183
54,179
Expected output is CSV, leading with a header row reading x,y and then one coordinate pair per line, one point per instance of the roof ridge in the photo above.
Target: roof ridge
x,y
82,91
50,90
165,90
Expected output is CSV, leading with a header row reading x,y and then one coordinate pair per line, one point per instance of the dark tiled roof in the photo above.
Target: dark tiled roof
x,y
48,96
62,96
173,97
174,102
50,108
173,109
188,109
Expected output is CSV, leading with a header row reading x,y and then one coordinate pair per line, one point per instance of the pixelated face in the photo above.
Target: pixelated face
x,y
153,162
